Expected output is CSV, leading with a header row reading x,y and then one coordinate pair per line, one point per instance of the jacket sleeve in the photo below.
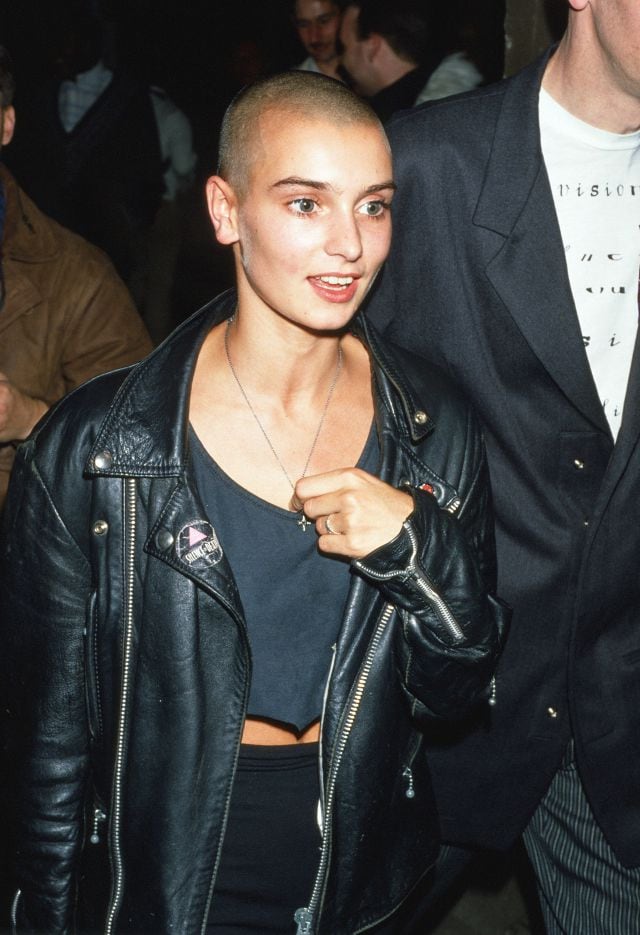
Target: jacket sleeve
x,y
44,578
102,327
439,572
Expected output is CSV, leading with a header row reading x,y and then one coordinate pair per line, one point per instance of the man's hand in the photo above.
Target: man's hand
x,y
354,512
18,412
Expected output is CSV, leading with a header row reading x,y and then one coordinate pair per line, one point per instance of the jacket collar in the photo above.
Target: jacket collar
x,y
392,383
513,171
28,235
145,430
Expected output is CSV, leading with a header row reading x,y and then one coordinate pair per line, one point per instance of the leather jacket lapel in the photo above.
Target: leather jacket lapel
x,y
159,386
184,538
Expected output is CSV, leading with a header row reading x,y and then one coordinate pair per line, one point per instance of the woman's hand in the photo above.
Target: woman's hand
x,y
354,512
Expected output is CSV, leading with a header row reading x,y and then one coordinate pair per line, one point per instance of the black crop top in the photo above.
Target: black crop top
x,y
292,595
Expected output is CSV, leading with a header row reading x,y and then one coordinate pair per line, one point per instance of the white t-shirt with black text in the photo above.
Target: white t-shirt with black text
x,y
595,180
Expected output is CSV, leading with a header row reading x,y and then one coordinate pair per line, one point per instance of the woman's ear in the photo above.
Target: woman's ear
x,y
222,202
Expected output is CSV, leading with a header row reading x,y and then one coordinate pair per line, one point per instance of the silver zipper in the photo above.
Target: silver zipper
x,y
117,887
214,873
223,829
440,606
241,625
14,911
324,705
304,917
417,575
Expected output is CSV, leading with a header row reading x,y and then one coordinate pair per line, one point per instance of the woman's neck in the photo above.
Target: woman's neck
x,y
281,360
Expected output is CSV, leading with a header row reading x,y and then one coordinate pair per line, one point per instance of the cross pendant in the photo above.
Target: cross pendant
x,y
303,522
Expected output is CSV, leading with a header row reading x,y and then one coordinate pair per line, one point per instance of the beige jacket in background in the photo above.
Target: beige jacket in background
x,y
66,315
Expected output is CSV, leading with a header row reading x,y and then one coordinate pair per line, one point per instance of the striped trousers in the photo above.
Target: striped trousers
x,y
583,888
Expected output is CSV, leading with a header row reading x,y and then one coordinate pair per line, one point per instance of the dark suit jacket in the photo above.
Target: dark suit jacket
x,y
477,282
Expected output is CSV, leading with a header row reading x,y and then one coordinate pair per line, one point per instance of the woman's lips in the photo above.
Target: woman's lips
x,y
335,288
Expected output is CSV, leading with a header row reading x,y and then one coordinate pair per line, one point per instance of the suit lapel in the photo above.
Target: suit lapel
x,y
630,429
529,272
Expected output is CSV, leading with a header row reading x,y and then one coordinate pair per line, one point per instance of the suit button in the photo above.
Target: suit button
x,y
578,464
103,460
420,417
100,527
164,540
552,713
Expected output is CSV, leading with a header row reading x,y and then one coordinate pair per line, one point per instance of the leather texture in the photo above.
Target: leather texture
x,y
126,663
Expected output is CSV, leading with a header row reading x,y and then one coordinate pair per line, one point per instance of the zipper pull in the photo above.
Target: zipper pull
x,y
98,817
303,919
408,775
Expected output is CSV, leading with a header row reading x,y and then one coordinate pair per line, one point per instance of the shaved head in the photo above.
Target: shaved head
x,y
295,95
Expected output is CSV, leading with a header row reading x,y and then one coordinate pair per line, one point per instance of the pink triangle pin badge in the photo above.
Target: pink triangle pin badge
x,y
198,544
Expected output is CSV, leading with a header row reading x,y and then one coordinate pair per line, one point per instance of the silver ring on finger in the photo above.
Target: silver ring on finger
x,y
329,527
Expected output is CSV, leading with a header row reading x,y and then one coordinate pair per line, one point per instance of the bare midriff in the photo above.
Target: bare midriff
x,y
271,733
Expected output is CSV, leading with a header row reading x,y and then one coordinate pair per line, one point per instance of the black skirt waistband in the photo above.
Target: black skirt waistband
x,y
270,756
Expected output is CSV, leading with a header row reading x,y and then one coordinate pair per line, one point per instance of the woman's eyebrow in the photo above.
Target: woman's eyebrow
x,y
294,180
304,183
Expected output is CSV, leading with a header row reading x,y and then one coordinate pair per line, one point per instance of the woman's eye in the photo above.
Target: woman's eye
x,y
374,209
304,205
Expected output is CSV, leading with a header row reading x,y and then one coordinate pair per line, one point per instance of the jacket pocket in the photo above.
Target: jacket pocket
x,y
92,684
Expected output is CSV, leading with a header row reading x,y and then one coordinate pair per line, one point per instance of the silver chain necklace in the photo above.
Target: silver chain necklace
x,y
303,522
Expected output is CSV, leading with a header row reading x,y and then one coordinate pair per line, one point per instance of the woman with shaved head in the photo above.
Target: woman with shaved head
x,y
273,556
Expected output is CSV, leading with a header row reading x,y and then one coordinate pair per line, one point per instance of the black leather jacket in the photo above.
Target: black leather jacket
x,y
126,662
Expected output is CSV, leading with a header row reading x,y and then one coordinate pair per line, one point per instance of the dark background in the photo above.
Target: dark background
x,y
200,51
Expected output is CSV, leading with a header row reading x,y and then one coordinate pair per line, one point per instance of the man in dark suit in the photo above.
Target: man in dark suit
x,y
515,265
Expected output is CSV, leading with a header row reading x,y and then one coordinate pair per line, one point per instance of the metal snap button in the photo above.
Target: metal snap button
x,y
103,460
100,527
552,713
164,540
578,464
420,417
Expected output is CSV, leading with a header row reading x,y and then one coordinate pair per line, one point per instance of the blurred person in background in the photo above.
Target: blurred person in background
x,y
87,148
318,25
65,315
153,291
391,51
